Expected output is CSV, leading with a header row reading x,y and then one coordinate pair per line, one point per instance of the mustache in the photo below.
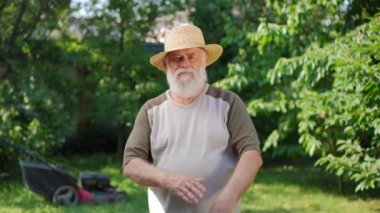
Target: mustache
x,y
184,70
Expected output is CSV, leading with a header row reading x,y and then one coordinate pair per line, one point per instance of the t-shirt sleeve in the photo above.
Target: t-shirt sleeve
x,y
243,133
138,142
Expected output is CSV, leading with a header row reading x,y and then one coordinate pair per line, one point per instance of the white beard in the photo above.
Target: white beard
x,y
186,86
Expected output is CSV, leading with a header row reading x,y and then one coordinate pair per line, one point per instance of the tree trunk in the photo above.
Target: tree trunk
x,y
17,25
340,184
120,141
35,22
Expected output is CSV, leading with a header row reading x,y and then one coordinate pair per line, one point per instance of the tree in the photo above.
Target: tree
x,y
35,108
62,73
119,76
290,36
333,91
263,37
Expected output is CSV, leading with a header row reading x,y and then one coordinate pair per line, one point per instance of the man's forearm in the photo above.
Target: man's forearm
x,y
243,176
144,173
190,189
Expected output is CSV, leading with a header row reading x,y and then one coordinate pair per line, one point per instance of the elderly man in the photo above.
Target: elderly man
x,y
194,146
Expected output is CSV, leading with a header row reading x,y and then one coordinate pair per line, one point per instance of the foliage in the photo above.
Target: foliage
x,y
291,66
118,77
266,31
332,93
213,32
62,73
312,89
37,94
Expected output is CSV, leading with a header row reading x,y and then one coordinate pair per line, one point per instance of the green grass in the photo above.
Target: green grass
x,y
277,189
304,189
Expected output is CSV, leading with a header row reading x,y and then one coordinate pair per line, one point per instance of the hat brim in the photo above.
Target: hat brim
x,y
213,51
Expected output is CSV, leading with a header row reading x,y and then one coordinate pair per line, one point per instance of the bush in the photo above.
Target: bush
x,y
332,94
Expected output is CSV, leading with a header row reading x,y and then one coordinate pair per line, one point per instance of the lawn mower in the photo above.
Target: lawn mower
x,y
58,186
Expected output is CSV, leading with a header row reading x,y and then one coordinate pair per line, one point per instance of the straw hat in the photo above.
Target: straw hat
x,y
182,37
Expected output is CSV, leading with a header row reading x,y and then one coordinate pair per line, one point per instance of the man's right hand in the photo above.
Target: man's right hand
x,y
189,188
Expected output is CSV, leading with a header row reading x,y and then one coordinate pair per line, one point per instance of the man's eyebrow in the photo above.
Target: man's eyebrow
x,y
173,54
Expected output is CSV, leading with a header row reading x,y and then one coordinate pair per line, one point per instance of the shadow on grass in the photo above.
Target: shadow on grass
x,y
93,162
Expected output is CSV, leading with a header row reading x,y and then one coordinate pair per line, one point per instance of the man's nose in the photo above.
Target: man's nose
x,y
185,62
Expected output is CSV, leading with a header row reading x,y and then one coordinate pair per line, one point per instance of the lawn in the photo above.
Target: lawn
x,y
278,188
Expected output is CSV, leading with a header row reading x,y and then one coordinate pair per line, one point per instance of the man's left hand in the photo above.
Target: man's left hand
x,y
222,205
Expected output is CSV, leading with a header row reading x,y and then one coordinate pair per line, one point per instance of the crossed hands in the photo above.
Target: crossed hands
x,y
191,190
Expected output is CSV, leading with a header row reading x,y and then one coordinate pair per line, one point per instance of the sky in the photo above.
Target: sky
x,y
83,11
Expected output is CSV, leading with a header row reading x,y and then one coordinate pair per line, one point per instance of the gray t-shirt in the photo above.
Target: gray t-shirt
x,y
204,139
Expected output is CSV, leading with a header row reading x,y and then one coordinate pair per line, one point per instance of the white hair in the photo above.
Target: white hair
x,y
188,86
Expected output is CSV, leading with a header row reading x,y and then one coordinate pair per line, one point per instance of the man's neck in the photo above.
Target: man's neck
x,y
186,101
